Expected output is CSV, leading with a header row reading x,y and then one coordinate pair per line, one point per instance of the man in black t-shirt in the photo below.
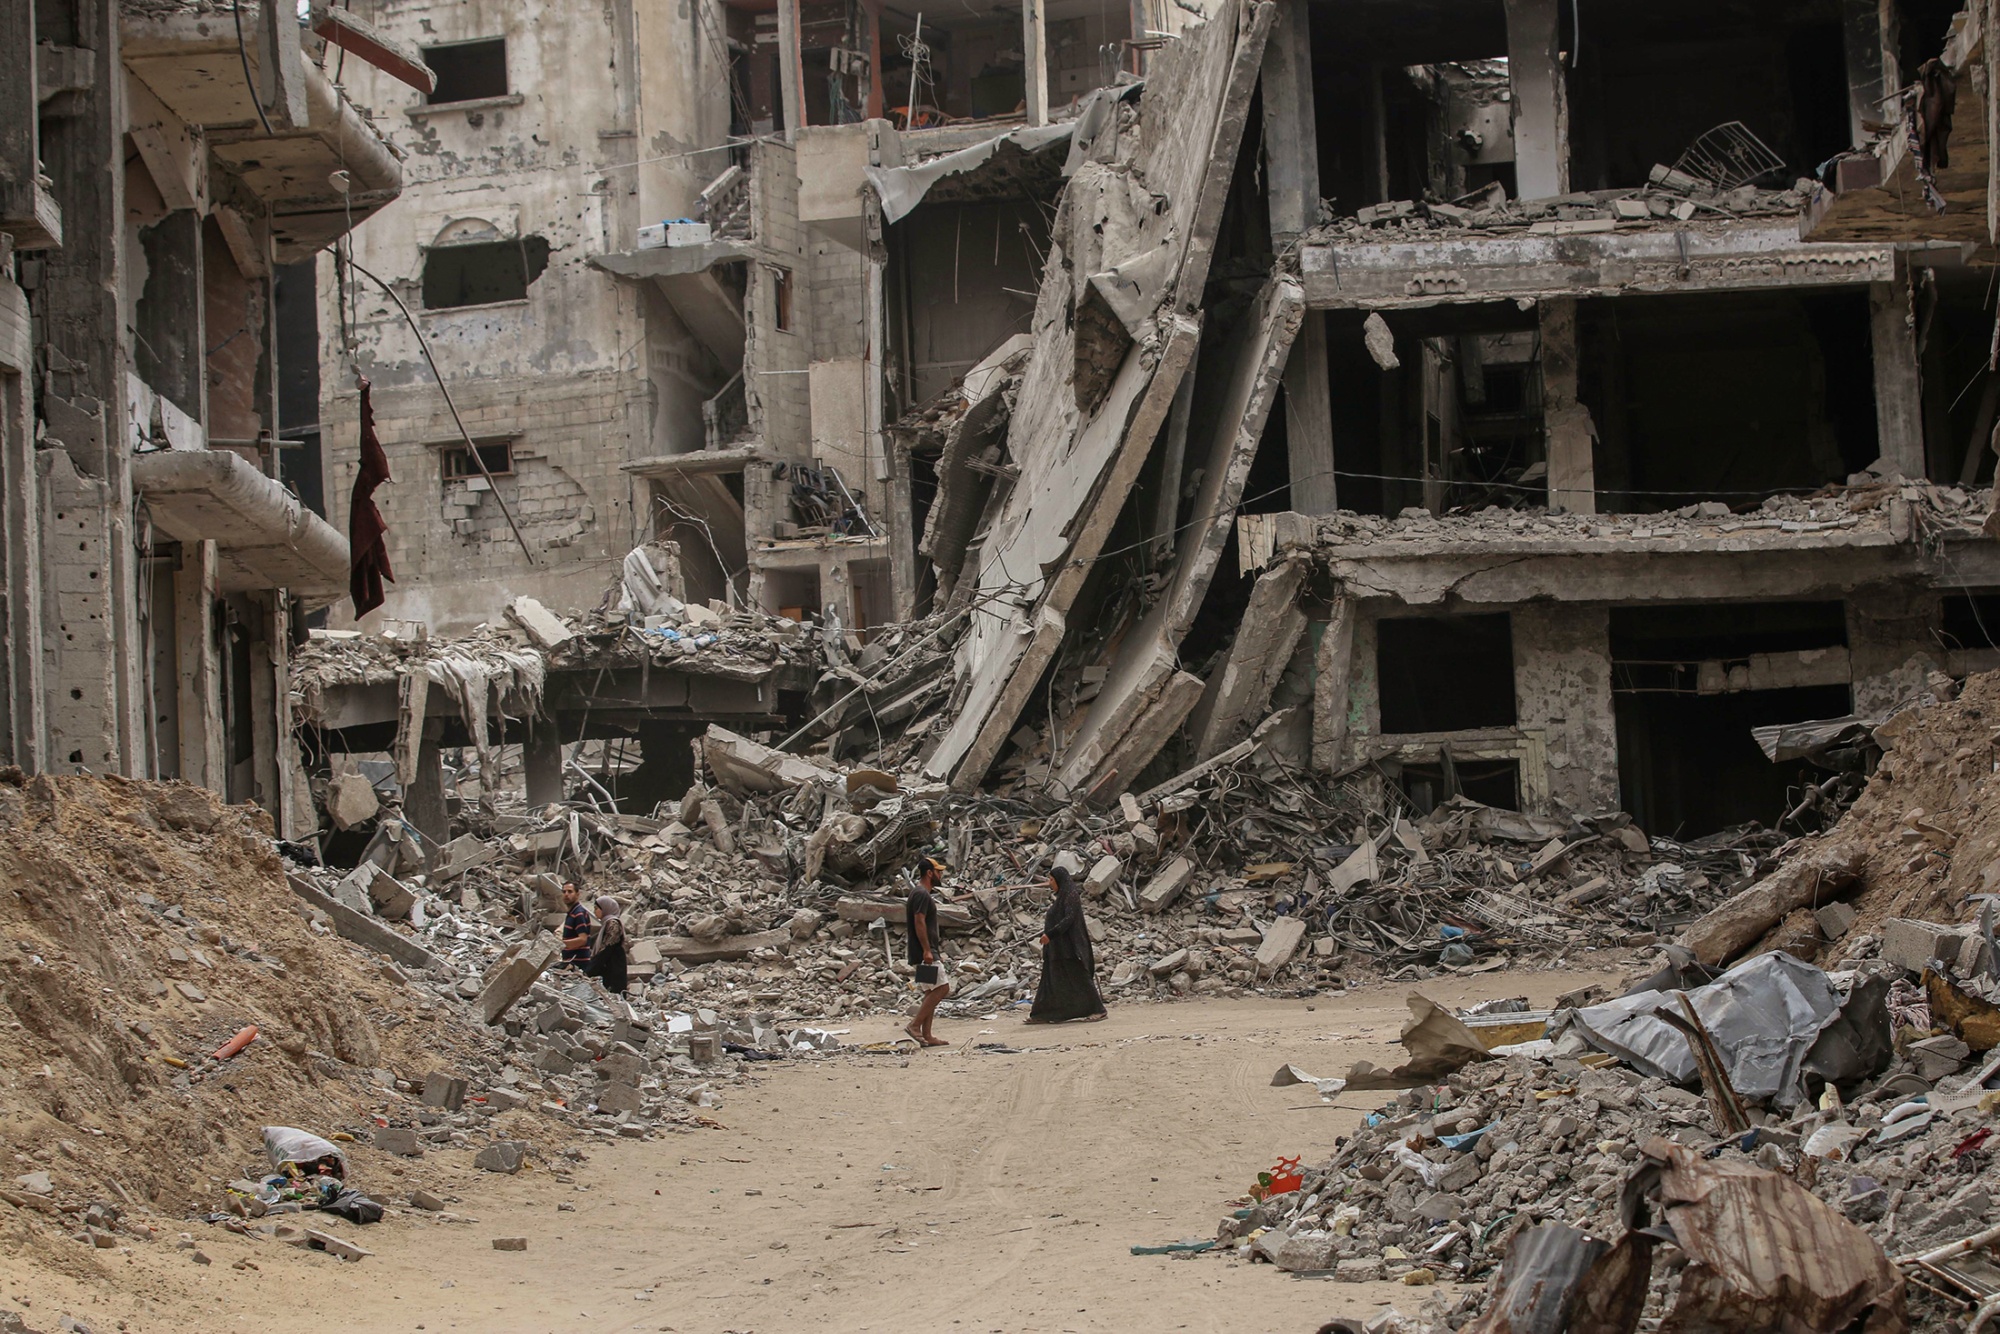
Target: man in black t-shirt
x,y
921,915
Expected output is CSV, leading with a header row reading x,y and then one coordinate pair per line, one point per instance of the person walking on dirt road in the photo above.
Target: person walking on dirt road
x,y
921,916
1068,989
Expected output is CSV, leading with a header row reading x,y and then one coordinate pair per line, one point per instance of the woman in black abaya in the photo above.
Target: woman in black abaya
x,y
1068,988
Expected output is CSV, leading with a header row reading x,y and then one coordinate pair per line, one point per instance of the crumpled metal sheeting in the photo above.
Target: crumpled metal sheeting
x,y
1764,1056
1765,1254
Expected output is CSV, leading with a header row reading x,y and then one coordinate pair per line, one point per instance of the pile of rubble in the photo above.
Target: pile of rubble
x,y
1668,196
775,885
172,987
1847,1113
1867,505
1850,1086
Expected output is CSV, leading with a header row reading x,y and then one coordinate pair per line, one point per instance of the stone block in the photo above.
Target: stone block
x,y
423,1199
505,1155
1835,920
1105,873
399,1140
1165,887
1916,945
443,1090
351,800
510,1243
1280,943
617,1097
509,979
504,1100
1305,1252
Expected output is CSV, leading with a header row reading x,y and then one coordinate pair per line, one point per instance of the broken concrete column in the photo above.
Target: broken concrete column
x,y
423,803
1569,435
1309,420
1899,408
1540,99
1562,688
1291,136
541,761
1735,925
1035,61
1333,664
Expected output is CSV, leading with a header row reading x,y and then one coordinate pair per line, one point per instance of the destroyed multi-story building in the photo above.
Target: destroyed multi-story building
x,y
1505,398
643,254
165,171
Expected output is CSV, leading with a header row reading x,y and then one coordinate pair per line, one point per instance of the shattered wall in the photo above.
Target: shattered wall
x,y
576,375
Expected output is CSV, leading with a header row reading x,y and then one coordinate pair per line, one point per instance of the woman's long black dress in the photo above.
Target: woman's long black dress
x,y
1068,988
608,963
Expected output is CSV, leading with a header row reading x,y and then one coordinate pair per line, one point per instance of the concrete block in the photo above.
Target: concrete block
x,y
504,1100
1280,943
362,928
350,800
1834,920
1171,964
1105,873
399,1140
504,1155
616,1097
542,625
443,1090
1916,945
423,1199
509,979
510,1243
1166,886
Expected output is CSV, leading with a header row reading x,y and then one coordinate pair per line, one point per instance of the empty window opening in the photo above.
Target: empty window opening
x,y
1413,101
793,593
1728,398
1490,782
482,274
1456,426
1685,682
497,455
781,298
1972,621
468,71
1445,673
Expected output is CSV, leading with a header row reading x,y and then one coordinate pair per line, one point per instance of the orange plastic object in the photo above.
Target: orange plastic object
x,y
1283,1178
244,1037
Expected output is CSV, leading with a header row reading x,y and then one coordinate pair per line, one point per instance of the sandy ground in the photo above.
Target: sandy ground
x,y
957,1189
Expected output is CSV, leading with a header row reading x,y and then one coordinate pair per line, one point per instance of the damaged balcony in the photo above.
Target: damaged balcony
x,y
306,151
1476,151
1926,175
264,537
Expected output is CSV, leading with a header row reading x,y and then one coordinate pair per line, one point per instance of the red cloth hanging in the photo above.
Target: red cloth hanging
x,y
369,552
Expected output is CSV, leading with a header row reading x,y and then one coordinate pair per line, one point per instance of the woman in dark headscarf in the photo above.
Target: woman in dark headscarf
x,y
1068,988
607,960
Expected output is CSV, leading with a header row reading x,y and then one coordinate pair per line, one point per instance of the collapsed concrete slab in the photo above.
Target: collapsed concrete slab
x,y
1127,724
1099,385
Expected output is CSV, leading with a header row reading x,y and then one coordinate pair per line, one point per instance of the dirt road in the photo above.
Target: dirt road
x,y
959,1189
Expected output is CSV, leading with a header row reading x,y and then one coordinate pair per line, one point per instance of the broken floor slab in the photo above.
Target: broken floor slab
x,y
1255,357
